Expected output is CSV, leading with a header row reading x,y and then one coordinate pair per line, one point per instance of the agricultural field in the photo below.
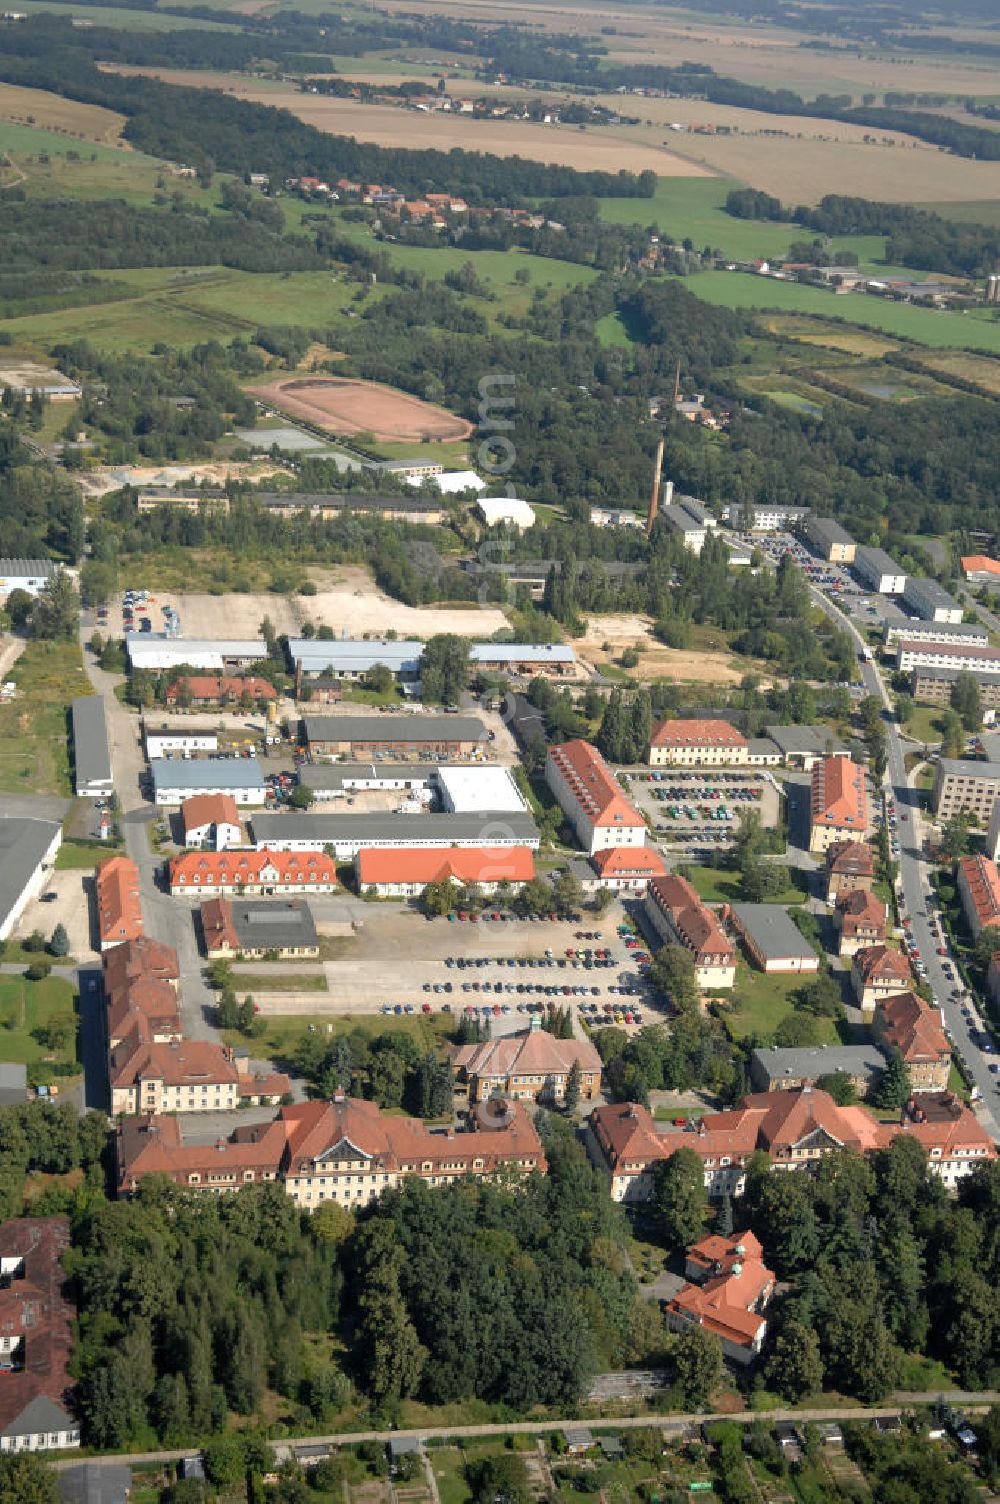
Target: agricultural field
x,y
938,328
38,108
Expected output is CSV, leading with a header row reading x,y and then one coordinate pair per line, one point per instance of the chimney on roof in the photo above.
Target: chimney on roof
x,y
535,1025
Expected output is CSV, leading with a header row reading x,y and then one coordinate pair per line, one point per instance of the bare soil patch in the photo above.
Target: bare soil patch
x,y
699,666
340,406
346,600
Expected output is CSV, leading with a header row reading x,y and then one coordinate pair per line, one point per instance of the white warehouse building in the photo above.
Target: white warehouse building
x,y
471,790
175,779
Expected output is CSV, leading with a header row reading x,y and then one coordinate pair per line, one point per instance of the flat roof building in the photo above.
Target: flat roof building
x,y
466,790
350,833
175,780
830,540
773,940
931,601
91,753
965,788
336,780
879,572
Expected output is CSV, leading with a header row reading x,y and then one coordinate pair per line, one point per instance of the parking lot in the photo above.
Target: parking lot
x,y
399,962
71,906
698,811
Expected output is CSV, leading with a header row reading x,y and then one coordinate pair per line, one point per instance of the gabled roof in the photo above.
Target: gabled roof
x,y
593,786
982,880
221,686
119,912
697,926
232,868
850,859
209,809
38,1307
628,861
709,732
462,864
881,963
859,909
913,1027
838,795
529,1052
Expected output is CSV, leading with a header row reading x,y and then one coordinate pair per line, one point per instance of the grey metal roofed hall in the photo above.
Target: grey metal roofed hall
x,y
772,1067
27,569
274,925
355,655
390,728
91,753
772,931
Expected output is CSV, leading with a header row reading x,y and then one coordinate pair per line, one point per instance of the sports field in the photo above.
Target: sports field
x,y
339,406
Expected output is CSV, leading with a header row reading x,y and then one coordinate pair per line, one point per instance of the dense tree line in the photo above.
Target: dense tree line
x,y
389,1069
915,237
41,511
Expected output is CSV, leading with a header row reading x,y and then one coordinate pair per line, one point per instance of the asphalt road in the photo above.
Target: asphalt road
x,y
914,889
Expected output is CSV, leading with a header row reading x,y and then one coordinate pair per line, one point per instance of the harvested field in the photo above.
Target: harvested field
x,y
37,107
980,369
812,332
339,406
699,666
593,148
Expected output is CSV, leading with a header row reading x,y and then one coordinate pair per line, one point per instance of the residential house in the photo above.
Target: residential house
x,y
211,821
878,972
913,1027
965,787
36,1337
860,920
591,798
979,891
185,1075
850,867
678,915
838,805
529,1066
728,1288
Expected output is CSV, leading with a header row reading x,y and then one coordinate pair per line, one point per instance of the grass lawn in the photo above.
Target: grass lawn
x,y
27,1006
34,754
77,856
449,1472
760,1001
717,885
281,1035
280,981
937,328
924,725
611,331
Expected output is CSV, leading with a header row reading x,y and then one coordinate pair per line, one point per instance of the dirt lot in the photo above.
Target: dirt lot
x,y
346,600
102,479
50,112
701,665
350,407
